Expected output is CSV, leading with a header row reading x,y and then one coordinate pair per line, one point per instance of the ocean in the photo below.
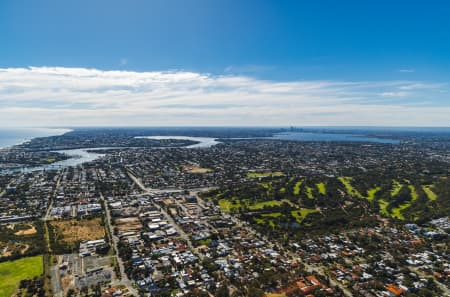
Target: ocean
x,y
13,136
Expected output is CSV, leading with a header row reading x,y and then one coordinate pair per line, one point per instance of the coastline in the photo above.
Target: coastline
x,y
10,137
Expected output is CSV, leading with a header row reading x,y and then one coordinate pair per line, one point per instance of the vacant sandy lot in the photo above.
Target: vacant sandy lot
x,y
128,224
73,231
31,230
195,169
9,248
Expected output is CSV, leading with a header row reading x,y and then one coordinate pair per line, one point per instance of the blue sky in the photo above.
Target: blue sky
x,y
376,57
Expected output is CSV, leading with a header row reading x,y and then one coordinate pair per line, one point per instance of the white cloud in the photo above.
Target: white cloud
x,y
409,70
395,94
57,96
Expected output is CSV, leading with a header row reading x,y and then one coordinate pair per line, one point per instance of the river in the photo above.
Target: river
x,y
77,157
80,156
327,137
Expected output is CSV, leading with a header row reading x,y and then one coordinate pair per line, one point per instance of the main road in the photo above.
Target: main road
x,y
114,242
53,196
168,217
54,270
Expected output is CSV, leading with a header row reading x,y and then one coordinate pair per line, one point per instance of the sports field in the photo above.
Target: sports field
x,y
12,272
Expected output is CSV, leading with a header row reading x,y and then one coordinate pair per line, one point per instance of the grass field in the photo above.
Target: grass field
x,y
301,214
309,192
264,174
260,205
383,207
396,187
227,205
414,195
371,193
267,186
297,187
264,221
272,214
50,160
321,188
12,272
349,188
430,194
268,217
397,212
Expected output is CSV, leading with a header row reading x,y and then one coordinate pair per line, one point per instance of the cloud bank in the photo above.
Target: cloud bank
x,y
58,96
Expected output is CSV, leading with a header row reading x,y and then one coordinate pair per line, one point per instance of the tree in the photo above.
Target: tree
x,y
425,292
222,291
254,292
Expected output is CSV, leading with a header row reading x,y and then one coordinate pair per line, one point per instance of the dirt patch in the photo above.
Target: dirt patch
x,y
30,231
73,231
10,248
195,169
6,253
128,224
24,249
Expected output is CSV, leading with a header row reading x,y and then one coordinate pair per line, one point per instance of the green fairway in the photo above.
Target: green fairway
x,y
264,222
397,212
267,186
414,195
301,214
396,187
259,221
297,187
309,193
12,272
430,194
383,207
260,205
227,205
349,188
321,188
272,214
264,174
371,193
268,218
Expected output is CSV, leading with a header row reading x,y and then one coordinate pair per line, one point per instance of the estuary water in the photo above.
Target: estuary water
x,y
80,156
203,142
76,157
316,136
